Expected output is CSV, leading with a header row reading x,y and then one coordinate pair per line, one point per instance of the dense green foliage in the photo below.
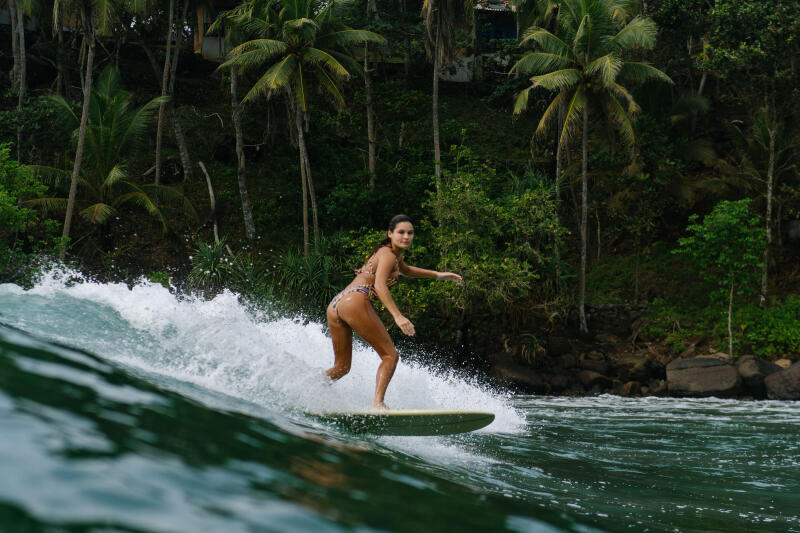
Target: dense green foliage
x,y
660,157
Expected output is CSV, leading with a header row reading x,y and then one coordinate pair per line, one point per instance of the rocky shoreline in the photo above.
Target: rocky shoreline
x,y
615,361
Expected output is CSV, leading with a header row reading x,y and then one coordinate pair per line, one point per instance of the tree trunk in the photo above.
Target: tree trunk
x,y
23,82
556,250
301,141
298,122
211,199
76,168
22,73
371,135
180,138
247,212
584,215
164,85
61,78
730,322
436,66
12,17
768,223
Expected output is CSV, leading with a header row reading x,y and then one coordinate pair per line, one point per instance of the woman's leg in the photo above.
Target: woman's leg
x,y
359,314
342,336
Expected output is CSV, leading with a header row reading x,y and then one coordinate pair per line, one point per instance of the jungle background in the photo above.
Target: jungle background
x,y
599,152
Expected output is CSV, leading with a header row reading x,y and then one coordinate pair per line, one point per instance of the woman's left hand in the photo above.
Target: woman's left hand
x,y
449,276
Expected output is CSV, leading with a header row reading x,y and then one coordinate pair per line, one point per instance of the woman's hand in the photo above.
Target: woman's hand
x,y
448,276
405,325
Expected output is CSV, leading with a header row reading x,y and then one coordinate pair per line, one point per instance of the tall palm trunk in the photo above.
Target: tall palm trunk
x,y
371,137
164,86
61,77
11,6
436,66
372,14
556,250
247,212
303,182
76,168
180,138
770,186
306,167
584,215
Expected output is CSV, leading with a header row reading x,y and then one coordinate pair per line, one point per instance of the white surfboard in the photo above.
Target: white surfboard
x,y
410,422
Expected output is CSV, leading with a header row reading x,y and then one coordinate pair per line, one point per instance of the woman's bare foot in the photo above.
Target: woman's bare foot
x,y
380,406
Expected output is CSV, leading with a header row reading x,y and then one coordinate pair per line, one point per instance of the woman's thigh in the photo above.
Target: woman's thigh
x,y
357,311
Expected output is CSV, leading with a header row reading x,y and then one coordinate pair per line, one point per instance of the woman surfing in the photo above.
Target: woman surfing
x,y
352,310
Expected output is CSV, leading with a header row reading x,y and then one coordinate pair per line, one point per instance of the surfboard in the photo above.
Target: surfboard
x,y
410,422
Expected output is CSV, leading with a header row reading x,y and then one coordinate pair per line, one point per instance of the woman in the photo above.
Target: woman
x,y
352,308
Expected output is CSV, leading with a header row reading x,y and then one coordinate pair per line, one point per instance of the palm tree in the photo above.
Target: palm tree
x,y
586,62
441,18
112,130
237,27
766,155
304,47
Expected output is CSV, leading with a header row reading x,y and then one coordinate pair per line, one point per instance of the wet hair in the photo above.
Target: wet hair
x,y
397,219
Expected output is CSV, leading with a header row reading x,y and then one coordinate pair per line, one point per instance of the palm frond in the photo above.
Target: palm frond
x,y
330,85
321,57
276,77
521,101
639,33
346,38
48,205
50,175
254,53
573,118
640,72
558,79
98,213
606,67
536,62
551,113
621,119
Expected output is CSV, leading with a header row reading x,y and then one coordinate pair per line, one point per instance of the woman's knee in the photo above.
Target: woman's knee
x,y
389,355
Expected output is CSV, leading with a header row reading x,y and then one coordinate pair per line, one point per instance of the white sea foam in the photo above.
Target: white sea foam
x,y
221,345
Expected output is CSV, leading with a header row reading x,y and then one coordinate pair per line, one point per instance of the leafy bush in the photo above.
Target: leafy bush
x,y
23,236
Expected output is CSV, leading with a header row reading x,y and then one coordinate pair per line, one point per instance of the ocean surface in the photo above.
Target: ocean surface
x,y
136,409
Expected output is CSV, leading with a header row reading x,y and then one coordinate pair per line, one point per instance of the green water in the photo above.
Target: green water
x,y
170,413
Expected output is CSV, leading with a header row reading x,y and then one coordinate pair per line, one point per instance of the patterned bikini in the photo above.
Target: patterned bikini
x,y
369,290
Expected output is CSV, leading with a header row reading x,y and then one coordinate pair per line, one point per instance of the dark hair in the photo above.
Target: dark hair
x,y
392,224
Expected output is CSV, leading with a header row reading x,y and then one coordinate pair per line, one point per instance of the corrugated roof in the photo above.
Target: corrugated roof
x,y
494,5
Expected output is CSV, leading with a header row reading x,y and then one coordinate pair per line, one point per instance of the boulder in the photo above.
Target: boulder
x,y
719,355
784,363
591,380
634,368
594,361
558,345
524,377
560,383
703,376
631,388
784,384
753,371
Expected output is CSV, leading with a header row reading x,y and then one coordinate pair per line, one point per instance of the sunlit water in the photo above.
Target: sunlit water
x,y
133,409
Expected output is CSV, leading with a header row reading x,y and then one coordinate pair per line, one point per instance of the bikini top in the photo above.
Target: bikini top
x,y
369,269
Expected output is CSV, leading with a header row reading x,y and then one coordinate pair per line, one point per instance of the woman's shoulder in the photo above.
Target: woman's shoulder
x,y
384,251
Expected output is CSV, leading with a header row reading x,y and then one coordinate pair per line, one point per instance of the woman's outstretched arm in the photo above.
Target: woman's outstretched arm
x,y
416,272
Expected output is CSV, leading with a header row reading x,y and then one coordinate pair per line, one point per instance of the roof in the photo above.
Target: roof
x,y
494,5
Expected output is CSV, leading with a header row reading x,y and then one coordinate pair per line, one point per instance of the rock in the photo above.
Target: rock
x,y
631,388
753,372
521,376
784,384
594,361
569,361
591,379
560,383
558,345
718,355
607,338
702,376
634,368
645,391
659,390
784,363
691,345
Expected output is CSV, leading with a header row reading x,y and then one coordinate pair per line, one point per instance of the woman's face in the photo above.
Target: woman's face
x,y
402,236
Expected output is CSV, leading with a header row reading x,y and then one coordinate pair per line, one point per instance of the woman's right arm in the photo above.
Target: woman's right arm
x,y
386,260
